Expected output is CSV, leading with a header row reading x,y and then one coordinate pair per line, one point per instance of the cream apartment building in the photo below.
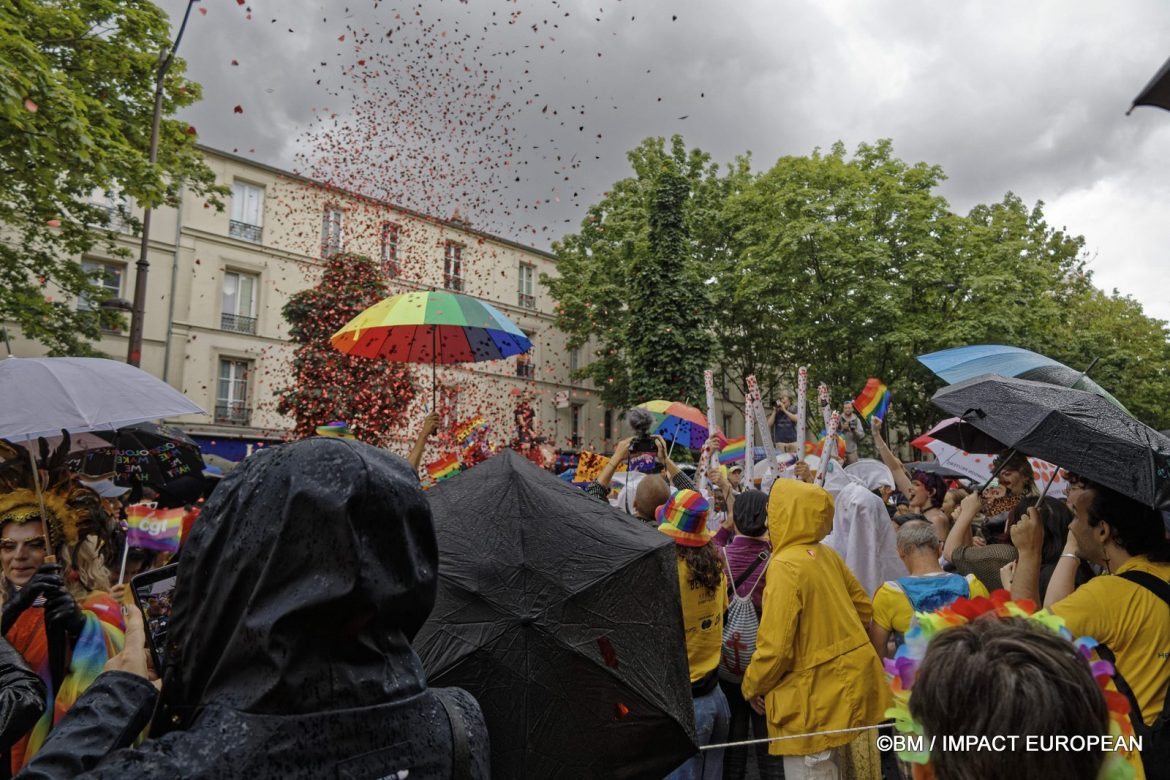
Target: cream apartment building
x,y
218,281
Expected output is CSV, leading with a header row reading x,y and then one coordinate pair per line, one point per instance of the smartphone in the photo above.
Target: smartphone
x,y
154,592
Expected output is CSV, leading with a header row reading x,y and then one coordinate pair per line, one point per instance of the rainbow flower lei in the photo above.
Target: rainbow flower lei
x,y
903,667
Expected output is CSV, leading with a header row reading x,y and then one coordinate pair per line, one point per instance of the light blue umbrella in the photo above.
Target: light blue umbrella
x,y
963,363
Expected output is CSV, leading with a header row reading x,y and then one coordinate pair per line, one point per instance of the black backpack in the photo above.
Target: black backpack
x,y
1156,736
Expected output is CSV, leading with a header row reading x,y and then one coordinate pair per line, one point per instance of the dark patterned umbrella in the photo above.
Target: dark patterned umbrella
x,y
1156,93
143,454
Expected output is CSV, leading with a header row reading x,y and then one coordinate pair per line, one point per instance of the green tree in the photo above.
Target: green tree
x,y
370,395
76,103
633,279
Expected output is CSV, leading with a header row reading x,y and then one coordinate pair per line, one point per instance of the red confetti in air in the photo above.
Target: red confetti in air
x,y
54,223
622,710
31,106
191,130
238,110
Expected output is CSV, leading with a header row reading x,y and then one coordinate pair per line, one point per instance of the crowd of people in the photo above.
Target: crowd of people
x,y
845,599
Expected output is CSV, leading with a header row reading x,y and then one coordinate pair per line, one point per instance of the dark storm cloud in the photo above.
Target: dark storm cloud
x,y
1004,96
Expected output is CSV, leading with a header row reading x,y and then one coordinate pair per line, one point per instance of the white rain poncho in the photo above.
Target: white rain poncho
x,y
864,536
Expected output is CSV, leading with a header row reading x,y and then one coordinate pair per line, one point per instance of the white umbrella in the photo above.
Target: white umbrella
x,y
43,396
977,466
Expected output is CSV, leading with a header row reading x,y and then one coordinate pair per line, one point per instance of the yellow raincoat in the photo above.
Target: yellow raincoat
x,y
813,663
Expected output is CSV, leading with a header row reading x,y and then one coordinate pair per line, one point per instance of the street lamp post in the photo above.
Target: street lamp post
x,y
134,351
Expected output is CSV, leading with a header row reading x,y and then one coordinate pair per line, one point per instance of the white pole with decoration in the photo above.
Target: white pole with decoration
x,y
749,443
825,402
801,410
765,434
705,459
828,447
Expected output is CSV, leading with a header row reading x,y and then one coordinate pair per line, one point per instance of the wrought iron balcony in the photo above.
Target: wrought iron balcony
x,y
237,323
243,230
527,301
525,369
453,282
233,414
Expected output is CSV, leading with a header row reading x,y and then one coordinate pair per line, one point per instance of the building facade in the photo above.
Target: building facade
x,y
219,279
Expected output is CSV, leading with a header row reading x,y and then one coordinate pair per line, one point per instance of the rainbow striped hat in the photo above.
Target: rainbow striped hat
x,y
684,519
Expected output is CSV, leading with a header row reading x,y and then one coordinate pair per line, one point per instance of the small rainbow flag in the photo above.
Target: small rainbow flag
x,y
874,400
443,468
154,529
733,451
468,430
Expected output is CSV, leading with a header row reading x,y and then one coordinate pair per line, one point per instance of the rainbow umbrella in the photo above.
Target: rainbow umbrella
x,y
678,423
432,327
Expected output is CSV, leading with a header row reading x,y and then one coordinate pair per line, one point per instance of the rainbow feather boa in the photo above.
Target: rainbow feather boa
x,y
903,667
100,639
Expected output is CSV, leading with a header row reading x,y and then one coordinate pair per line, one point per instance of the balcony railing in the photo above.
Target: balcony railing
x,y
390,269
525,369
527,301
232,414
238,324
243,230
453,282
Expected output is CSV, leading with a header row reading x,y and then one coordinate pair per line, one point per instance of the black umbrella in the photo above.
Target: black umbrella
x,y
142,454
561,616
1080,431
962,434
1156,93
934,467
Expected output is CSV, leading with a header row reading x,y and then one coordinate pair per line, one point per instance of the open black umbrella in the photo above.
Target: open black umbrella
x,y
1077,430
143,454
561,616
1156,93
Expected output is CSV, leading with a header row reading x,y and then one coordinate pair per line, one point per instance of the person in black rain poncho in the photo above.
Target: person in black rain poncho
x,y
303,582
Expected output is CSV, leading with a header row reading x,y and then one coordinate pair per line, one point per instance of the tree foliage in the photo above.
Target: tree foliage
x,y
631,284
852,265
76,103
371,395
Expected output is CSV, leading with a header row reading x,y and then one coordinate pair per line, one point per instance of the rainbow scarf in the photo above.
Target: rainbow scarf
x,y
443,468
818,448
100,639
874,400
733,451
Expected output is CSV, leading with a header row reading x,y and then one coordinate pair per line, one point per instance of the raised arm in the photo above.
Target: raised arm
x,y
901,481
1028,537
960,534
621,451
429,425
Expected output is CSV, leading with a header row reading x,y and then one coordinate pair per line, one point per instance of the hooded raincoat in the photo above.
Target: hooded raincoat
x,y
309,572
814,664
864,536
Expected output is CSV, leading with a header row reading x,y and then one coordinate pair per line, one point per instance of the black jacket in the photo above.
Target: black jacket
x,y
22,701
304,580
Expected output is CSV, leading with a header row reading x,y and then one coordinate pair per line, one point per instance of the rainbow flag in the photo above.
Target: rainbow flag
x,y
154,529
468,431
733,451
874,400
443,468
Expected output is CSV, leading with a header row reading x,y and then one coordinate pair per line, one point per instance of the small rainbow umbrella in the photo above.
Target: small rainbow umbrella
x,y
679,423
432,327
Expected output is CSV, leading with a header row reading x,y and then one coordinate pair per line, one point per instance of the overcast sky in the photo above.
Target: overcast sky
x,y
519,113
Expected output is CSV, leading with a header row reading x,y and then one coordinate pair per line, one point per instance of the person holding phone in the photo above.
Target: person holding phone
x,y
288,649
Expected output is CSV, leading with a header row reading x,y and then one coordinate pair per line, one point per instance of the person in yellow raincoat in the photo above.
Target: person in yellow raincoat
x,y
814,669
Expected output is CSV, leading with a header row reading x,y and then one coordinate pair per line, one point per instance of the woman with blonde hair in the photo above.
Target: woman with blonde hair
x,y
57,615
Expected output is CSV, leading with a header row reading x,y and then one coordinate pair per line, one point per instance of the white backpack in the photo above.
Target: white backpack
x,y
740,627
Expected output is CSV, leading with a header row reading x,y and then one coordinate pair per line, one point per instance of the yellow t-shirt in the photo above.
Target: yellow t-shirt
x,y
892,610
702,622
1133,622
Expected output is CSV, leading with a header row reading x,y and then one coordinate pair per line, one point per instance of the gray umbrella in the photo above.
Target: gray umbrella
x,y
1077,430
1156,93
